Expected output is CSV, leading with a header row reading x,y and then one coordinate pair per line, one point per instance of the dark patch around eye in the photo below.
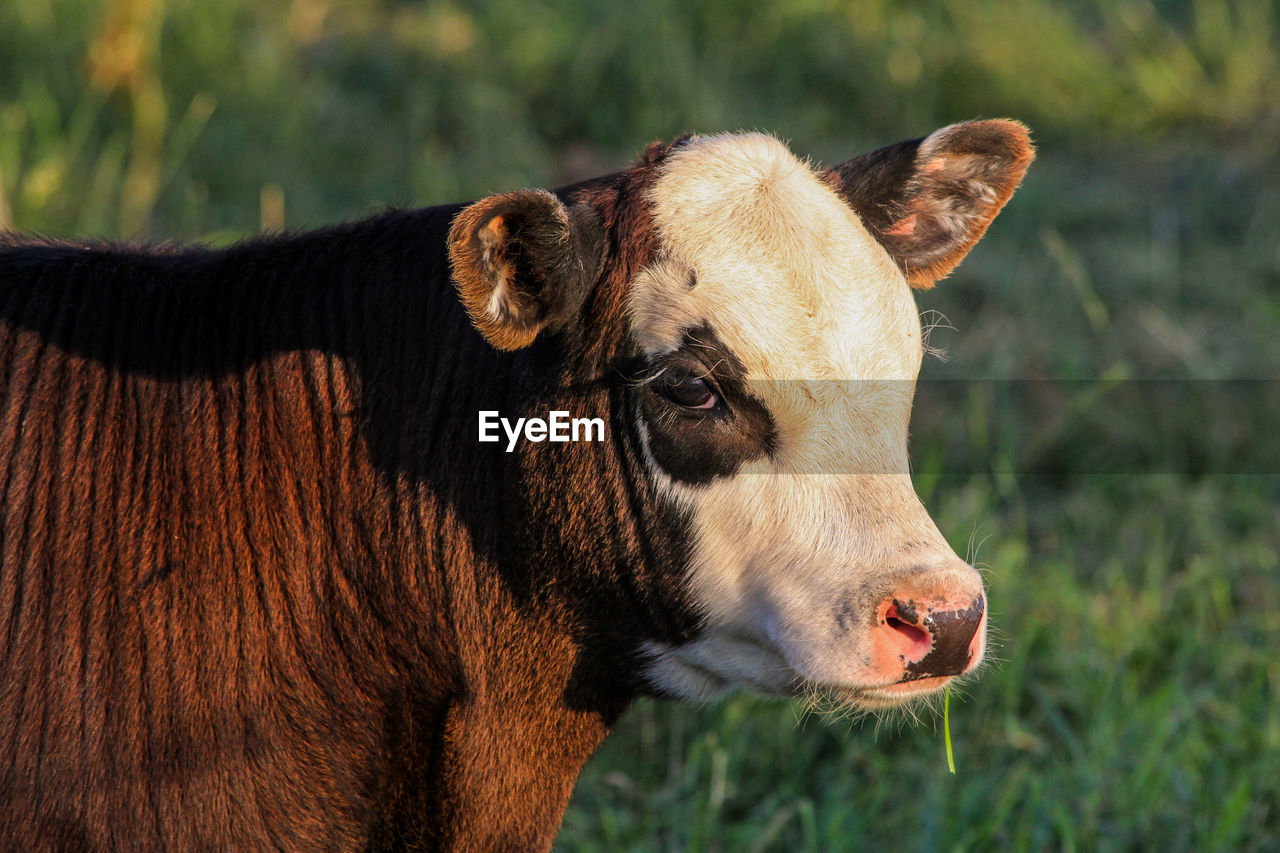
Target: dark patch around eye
x,y
688,390
695,447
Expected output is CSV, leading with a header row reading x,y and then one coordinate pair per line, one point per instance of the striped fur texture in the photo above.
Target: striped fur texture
x,y
261,587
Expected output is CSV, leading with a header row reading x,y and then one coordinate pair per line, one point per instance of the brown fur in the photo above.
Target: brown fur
x,y
260,587
522,245
928,201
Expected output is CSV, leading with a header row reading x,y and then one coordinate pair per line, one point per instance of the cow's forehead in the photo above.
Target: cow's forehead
x,y
757,247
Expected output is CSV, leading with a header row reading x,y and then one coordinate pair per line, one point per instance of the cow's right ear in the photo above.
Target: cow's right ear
x,y
521,263
929,200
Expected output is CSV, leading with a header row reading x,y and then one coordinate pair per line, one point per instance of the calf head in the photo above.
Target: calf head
x,y
760,317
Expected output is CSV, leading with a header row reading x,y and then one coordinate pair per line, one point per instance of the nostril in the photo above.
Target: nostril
x,y
914,642
911,632
954,634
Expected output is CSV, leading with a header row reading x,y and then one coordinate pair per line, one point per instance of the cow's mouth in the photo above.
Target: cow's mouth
x,y
722,663
887,696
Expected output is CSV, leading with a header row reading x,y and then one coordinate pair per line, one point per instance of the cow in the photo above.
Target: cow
x,y
264,586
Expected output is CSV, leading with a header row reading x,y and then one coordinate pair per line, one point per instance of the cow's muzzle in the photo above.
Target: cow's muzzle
x,y
934,639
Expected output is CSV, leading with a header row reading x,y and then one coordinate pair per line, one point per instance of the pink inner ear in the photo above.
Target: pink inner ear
x,y
904,227
492,233
930,200
937,164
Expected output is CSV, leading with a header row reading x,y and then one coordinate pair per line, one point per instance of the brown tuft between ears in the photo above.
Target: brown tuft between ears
x,y
928,201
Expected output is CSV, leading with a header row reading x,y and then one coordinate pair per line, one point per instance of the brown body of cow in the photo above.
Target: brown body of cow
x,y
261,586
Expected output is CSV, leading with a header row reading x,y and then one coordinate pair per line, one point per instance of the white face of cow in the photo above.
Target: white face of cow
x,y
783,343
798,554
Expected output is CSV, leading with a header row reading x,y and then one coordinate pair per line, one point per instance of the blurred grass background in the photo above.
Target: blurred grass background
x,y
1135,701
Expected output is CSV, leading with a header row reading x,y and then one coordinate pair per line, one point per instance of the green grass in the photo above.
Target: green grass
x,y
1132,703
946,731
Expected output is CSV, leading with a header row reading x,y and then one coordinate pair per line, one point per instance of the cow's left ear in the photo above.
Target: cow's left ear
x,y
522,263
929,200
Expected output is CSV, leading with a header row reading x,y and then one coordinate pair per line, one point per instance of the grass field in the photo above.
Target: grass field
x,y
1134,700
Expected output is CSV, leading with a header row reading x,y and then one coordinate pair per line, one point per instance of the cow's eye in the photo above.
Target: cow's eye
x,y
686,390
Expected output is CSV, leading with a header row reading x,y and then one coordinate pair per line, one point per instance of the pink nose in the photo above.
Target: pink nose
x,y
940,638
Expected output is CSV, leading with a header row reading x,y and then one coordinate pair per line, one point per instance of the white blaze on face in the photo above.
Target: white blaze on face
x,y
793,552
